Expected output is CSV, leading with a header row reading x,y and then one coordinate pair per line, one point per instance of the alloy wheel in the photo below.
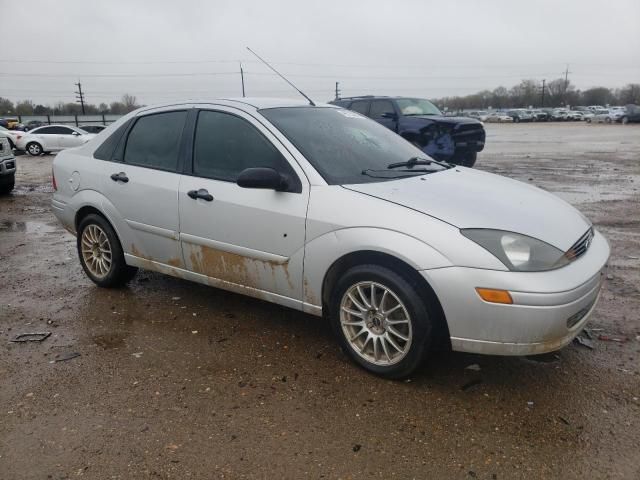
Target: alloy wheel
x,y
376,323
96,251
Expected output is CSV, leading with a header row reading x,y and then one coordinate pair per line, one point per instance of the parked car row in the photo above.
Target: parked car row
x,y
14,124
595,114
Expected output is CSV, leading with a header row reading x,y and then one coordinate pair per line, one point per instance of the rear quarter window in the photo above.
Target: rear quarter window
x,y
107,148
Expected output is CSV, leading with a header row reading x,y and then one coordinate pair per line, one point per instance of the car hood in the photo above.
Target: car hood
x,y
468,198
445,119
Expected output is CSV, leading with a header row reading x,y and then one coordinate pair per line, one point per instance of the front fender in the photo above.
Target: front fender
x,y
323,251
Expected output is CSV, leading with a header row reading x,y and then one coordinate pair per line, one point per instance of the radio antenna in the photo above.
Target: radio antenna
x,y
283,77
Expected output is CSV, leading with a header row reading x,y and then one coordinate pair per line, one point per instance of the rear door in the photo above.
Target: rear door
x,y
142,186
243,236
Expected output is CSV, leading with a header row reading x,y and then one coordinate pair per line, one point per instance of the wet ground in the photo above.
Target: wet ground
x,y
169,379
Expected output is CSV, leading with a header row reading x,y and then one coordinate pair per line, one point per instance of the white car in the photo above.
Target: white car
x,y
11,135
603,116
323,210
52,138
497,117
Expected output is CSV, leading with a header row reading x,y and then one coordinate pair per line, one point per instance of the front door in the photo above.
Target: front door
x,y
69,138
142,190
49,137
382,111
253,238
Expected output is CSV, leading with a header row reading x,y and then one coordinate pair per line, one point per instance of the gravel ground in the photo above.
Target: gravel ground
x,y
178,380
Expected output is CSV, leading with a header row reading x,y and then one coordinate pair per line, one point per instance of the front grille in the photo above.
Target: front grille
x,y
581,246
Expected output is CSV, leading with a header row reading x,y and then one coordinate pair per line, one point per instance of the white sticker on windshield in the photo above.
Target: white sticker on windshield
x,y
349,113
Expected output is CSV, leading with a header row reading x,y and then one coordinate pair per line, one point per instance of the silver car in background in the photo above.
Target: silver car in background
x,y
323,210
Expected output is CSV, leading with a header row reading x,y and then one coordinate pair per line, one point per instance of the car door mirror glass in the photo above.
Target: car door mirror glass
x,y
75,134
261,177
390,115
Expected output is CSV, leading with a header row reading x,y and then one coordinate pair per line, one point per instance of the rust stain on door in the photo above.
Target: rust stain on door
x,y
238,269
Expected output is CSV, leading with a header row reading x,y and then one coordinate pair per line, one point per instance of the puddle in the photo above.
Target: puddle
x,y
25,190
26,227
109,341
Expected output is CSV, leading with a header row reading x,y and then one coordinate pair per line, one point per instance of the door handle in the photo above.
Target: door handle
x,y
202,194
119,177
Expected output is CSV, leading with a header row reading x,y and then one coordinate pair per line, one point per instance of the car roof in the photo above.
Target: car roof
x,y
255,102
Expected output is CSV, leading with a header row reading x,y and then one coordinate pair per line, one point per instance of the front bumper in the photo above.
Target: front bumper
x,y
549,308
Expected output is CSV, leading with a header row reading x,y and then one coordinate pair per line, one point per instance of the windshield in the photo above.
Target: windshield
x,y
417,106
342,144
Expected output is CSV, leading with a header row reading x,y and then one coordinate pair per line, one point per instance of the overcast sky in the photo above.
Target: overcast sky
x,y
167,50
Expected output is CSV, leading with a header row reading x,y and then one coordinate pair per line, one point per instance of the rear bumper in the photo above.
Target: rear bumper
x,y
549,308
64,212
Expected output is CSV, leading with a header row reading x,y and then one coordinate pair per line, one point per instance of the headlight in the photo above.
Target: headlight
x,y
518,252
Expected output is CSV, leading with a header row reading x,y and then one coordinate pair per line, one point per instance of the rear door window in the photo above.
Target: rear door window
x,y
154,140
45,131
360,106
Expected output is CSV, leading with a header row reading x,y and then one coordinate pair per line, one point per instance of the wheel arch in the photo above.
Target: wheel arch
x,y
87,210
397,265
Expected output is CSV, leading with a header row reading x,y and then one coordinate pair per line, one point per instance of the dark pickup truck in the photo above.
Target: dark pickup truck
x,y
452,139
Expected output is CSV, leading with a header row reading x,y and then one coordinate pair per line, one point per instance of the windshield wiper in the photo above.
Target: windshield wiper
x,y
370,171
413,161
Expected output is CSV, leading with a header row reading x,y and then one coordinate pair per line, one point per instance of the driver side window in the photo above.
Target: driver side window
x,y
226,144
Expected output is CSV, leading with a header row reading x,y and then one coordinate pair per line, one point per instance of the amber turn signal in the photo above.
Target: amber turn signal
x,y
494,296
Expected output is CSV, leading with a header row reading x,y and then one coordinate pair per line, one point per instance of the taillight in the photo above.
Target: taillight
x,y
53,180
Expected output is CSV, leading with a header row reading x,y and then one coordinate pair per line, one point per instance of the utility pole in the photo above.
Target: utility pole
x,y
80,95
337,90
242,78
566,84
544,81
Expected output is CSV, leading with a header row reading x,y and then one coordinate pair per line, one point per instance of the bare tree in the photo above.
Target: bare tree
x,y
130,102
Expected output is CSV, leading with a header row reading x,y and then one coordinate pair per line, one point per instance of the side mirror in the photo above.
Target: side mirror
x,y
390,115
261,177
76,134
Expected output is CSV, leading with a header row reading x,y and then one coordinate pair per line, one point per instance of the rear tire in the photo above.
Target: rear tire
x,y
388,333
34,149
101,254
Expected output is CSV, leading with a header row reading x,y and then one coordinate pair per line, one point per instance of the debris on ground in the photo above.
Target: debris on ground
x,y
585,342
31,337
529,403
607,338
65,356
357,447
137,354
563,420
474,366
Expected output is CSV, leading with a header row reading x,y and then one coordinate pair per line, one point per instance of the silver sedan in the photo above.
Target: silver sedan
x,y
323,210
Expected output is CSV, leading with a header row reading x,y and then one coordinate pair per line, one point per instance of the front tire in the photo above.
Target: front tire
x,y
101,254
34,149
625,120
381,321
8,186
